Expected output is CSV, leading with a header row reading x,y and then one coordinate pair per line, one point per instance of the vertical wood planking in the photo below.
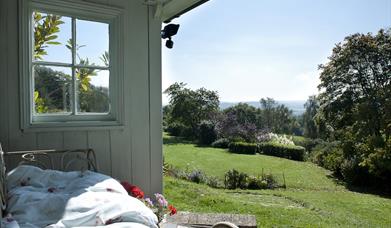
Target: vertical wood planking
x,y
51,140
155,104
17,140
139,97
99,141
75,140
120,140
3,77
121,156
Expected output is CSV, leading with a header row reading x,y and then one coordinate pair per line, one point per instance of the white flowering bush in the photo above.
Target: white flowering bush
x,y
275,138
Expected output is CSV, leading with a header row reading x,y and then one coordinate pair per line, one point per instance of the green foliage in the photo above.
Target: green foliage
x,y
95,99
355,105
196,176
190,107
45,29
276,117
265,181
206,133
328,155
243,148
238,123
105,58
234,179
285,151
51,90
221,143
39,103
307,143
176,129
311,129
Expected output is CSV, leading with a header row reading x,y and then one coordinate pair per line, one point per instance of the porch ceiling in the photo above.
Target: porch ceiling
x,y
170,9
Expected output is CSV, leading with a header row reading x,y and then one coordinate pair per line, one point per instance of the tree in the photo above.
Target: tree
x,y
244,113
355,83
355,101
190,107
239,123
311,109
276,117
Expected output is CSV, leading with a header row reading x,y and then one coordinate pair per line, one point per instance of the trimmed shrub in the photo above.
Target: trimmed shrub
x,y
243,148
256,183
221,143
235,179
178,129
196,176
206,133
284,151
270,180
214,182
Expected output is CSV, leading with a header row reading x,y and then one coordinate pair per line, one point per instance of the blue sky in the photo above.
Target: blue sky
x,y
251,49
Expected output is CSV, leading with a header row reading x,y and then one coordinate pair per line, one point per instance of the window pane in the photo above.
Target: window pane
x,y
92,40
93,90
52,89
51,36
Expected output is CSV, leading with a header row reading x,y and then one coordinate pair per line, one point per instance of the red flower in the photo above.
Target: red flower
x,y
172,209
133,190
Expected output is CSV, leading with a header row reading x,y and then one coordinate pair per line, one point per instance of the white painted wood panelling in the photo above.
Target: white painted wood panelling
x,y
133,153
100,141
155,86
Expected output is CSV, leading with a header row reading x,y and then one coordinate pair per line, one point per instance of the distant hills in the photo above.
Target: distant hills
x,y
296,106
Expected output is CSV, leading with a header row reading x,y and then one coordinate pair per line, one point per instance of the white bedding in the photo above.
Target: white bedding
x,y
54,199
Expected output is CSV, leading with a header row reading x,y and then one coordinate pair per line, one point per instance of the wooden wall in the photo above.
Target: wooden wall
x,y
133,153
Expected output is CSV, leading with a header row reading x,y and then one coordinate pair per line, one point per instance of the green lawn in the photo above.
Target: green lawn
x,y
311,199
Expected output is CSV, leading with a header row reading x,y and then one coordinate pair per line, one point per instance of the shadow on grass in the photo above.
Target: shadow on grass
x,y
172,140
384,193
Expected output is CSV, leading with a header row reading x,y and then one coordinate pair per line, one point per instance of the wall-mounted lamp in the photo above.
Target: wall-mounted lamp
x,y
169,31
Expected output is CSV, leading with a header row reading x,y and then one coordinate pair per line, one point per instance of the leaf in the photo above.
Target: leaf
x,y
54,43
53,37
85,88
36,95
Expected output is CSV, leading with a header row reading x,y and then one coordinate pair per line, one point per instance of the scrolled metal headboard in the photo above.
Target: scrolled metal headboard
x,y
38,157
3,188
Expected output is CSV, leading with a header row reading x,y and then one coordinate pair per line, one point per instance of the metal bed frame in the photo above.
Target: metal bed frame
x,y
36,157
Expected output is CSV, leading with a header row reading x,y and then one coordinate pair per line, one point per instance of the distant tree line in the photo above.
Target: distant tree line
x,y
191,112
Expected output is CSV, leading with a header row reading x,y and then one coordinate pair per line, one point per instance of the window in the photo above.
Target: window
x,y
71,67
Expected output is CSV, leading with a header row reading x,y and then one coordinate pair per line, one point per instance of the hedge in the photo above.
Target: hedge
x,y
243,148
221,143
284,151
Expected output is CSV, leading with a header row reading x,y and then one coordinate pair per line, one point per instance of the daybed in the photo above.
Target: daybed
x,y
34,197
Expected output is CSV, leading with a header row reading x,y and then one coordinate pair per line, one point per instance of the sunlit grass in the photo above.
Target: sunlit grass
x,y
311,199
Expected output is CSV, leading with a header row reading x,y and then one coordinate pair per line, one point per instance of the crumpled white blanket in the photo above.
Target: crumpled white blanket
x,y
54,199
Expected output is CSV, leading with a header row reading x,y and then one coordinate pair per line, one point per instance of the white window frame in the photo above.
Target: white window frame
x,y
80,10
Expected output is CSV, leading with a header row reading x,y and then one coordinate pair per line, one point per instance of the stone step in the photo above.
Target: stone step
x,y
189,219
